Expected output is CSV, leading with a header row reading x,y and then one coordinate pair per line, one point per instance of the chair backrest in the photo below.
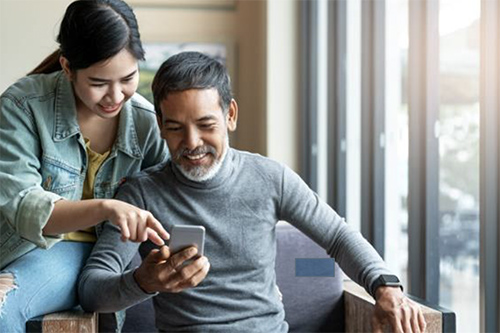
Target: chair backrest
x,y
312,304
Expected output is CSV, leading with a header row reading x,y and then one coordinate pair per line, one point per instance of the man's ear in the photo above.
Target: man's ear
x,y
232,116
65,66
160,125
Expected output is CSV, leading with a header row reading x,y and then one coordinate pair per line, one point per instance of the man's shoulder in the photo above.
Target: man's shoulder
x,y
267,168
257,160
256,165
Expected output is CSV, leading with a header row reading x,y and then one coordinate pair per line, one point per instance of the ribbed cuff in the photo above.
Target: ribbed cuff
x,y
133,288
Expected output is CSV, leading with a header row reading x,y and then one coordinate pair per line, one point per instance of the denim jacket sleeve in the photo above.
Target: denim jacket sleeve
x,y
24,204
155,148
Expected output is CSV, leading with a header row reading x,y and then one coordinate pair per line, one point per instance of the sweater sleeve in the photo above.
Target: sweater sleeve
x,y
303,208
105,271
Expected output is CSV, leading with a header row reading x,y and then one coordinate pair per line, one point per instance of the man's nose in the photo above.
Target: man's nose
x,y
192,139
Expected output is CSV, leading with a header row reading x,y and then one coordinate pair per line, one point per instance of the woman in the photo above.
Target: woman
x,y
70,132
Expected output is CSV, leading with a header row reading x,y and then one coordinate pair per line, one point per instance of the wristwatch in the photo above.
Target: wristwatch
x,y
386,280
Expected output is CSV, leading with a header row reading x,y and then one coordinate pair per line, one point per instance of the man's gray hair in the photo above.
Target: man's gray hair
x,y
191,70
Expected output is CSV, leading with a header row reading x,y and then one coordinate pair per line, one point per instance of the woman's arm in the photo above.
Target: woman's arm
x,y
24,204
136,225
36,214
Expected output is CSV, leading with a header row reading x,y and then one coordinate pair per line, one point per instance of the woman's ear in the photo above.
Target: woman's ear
x,y
65,66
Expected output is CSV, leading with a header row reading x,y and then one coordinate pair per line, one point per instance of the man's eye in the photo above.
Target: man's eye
x,y
98,85
207,126
172,129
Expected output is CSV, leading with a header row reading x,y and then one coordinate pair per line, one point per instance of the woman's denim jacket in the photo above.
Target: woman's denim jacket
x,y
43,157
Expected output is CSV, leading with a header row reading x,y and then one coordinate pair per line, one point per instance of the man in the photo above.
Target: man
x,y
238,197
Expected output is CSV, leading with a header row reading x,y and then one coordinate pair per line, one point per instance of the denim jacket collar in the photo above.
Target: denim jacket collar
x,y
66,123
127,140
65,120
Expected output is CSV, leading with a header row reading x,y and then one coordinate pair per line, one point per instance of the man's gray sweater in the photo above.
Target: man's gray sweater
x,y
239,209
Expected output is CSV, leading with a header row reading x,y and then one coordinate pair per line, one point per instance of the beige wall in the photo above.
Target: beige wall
x,y
262,40
283,82
28,30
242,28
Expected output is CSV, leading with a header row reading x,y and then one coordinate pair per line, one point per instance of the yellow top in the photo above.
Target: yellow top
x,y
95,161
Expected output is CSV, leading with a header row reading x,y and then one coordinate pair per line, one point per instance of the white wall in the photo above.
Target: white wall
x,y
28,30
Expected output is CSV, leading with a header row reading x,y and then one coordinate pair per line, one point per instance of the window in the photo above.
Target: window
x,y
353,114
421,142
459,23
396,138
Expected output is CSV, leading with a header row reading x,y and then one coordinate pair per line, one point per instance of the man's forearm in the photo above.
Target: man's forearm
x,y
105,285
106,292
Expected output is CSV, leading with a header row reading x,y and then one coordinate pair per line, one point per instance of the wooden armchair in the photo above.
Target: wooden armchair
x,y
312,304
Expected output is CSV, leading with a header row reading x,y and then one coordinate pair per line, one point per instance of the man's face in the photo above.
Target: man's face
x,y
196,131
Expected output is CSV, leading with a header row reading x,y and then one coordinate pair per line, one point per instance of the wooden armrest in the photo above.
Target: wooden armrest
x,y
359,307
74,321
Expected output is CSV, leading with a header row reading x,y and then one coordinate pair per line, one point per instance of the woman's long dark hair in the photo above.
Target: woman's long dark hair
x,y
92,31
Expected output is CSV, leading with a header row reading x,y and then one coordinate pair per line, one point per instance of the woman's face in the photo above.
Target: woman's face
x,y
103,88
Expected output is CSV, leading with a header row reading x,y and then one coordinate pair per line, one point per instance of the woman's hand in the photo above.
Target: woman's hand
x,y
136,225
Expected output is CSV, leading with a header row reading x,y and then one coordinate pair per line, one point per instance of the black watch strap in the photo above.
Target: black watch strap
x,y
386,280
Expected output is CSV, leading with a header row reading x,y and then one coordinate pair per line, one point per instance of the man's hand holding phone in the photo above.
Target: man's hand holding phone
x,y
164,271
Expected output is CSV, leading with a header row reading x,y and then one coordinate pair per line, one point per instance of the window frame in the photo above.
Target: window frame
x,y
489,276
309,88
336,113
373,123
423,159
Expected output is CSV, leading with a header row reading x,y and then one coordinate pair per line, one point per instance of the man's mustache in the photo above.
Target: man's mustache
x,y
197,151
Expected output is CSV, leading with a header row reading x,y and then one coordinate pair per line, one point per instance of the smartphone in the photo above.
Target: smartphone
x,y
184,236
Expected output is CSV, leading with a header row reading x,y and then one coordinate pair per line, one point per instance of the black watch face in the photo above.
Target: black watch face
x,y
390,279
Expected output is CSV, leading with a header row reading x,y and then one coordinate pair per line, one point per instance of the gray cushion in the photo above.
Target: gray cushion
x,y
312,304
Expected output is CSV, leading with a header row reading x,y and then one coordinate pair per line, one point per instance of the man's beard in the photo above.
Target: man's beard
x,y
201,173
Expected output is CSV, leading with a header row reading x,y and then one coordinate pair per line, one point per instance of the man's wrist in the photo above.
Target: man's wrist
x,y
138,281
386,291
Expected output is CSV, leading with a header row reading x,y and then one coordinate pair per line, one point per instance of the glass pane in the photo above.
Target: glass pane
x,y
459,29
396,143
322,98
353,114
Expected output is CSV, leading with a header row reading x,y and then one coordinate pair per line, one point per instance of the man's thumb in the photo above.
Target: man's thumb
x,y
158,255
